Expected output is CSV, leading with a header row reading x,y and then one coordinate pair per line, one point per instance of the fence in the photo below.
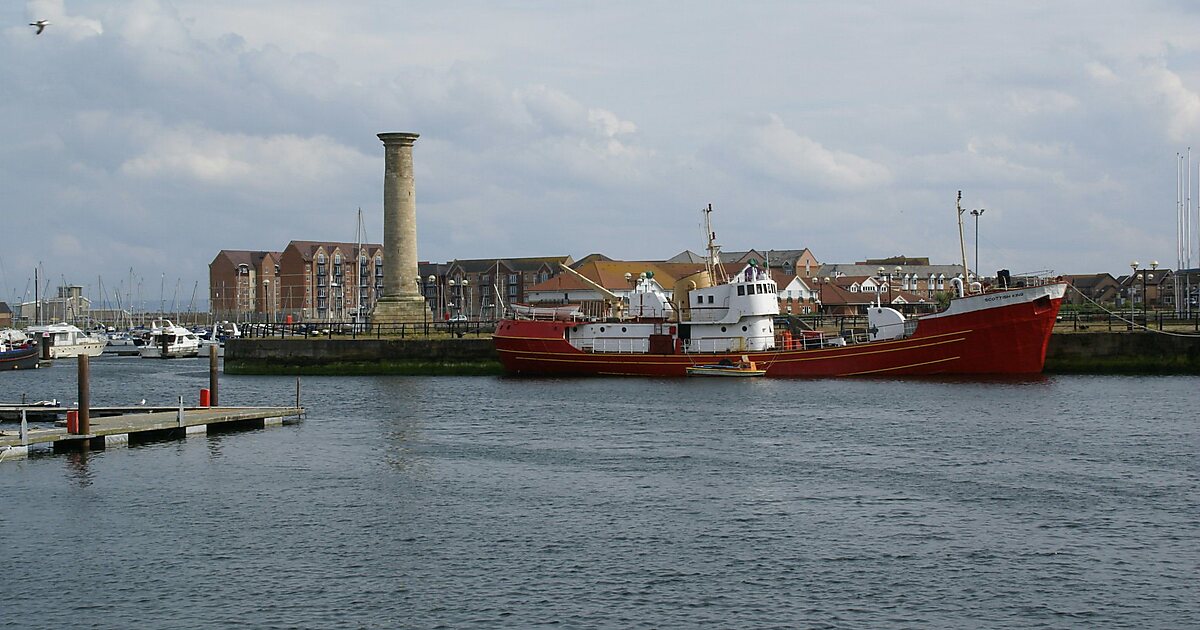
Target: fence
x,y
379,330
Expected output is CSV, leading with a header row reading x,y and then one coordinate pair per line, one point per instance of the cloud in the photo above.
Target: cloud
x,y
781,153
74,27
278,163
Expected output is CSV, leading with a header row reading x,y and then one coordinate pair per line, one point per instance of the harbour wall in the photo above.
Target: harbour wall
x,y
1078,353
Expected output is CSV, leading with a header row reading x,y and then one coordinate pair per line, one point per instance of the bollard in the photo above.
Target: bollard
x,y
205,401
85,403
72,421
297,392
212,375
24,429
179,418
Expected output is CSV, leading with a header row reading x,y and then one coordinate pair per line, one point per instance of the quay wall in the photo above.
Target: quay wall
x,y
361,356
1090,352
1123,353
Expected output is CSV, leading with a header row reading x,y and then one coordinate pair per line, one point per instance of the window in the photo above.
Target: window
x,y
514,278
700,298
741,290
710,299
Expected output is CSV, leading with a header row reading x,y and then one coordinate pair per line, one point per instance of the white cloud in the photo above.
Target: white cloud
x,y
789,157
280,163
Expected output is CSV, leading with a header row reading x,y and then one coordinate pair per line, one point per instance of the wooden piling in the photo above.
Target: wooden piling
x,y
212,375
85,403
297,392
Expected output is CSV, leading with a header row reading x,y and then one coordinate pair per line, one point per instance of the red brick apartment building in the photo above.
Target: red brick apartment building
x,y
329,280
241,282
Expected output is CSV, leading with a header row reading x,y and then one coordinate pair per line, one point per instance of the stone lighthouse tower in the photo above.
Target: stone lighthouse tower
x,y
401,300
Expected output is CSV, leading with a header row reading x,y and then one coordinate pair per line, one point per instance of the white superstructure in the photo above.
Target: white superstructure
x,y
168,341
66,340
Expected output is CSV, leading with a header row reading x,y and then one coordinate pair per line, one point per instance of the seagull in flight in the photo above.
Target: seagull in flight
x,y
41,26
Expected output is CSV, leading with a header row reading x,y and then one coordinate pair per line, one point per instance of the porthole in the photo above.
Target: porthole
x,y
744,329
722,329
623,329
601,329
574,329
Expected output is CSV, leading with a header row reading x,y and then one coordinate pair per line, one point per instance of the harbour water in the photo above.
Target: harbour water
x,y
1057,502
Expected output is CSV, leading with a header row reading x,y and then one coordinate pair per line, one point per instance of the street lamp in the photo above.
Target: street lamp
x,y
821,294
1145,302
466,285
977,213
266,307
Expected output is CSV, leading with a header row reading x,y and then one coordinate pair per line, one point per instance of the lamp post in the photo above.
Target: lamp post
x,y
1145,302
465,285
424,311
977,213
821,294
1133,266
266,307
432,280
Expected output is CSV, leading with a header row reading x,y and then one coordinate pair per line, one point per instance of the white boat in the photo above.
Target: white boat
x,y
66,340
120,343
168,341
221,331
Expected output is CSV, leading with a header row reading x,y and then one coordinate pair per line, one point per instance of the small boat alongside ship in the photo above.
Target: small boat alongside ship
x,y
727,368
709,320
169,341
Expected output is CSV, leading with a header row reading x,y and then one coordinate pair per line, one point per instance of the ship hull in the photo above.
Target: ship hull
x,y
997,333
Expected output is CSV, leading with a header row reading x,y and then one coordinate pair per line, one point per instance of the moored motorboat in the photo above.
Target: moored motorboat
x,y
120,343
18,355
708,320
169,341
65,340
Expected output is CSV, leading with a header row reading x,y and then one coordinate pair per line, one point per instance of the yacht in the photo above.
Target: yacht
x,y
120,343
66,340
220,332
168,341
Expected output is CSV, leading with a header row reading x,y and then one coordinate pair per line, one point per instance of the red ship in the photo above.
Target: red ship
x,y
1003,331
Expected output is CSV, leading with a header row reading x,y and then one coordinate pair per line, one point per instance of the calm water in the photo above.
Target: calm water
x,y
1065,502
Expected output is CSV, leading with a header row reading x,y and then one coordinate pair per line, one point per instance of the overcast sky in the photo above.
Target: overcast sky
x,y
148,135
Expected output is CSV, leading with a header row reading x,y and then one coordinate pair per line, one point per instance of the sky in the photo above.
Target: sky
x,y
142,137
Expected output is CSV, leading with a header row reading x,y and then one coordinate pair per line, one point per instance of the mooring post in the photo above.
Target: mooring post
x,y
24,429
297,392
212,375
179,418
85,424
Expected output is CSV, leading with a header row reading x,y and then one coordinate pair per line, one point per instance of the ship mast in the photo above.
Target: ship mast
x,y
962,245
712,264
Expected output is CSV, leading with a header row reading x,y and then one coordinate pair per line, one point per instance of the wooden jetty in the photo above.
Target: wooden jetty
x,y
122,425
141,427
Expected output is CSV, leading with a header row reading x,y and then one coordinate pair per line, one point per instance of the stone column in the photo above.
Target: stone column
x,y
401,300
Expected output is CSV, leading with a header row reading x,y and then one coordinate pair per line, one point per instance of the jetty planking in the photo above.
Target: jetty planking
x,y
146,426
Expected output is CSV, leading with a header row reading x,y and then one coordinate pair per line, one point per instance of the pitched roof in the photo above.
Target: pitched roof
x,y
1088,280
610,274
308,248
478,265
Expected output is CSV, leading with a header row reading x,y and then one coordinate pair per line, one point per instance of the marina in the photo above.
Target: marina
x,y
1050,501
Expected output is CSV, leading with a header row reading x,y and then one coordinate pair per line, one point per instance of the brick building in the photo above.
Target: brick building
x,y
329,280
243,284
